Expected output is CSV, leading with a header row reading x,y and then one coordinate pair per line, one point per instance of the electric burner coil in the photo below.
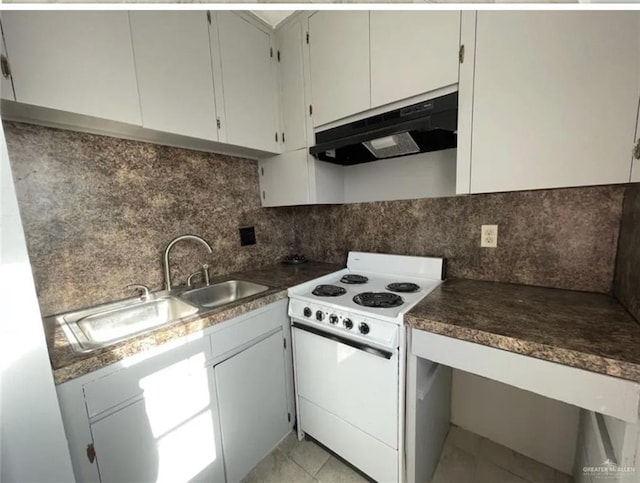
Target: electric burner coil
x,y
380,300
353,279
403,287
328,291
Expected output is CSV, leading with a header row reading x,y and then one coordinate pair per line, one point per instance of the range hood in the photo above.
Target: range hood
x,y
419,128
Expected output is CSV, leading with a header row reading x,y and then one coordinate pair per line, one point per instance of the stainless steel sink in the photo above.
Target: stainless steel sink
x,y
101,326
222,293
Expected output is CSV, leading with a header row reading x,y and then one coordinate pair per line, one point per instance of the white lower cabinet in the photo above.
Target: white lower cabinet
x,y
6,83
173,431
204,409
252,395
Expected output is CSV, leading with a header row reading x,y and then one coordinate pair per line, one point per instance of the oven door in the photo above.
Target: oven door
x,y
355,383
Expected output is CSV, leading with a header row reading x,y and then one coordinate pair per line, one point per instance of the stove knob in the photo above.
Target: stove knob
x,y
307,312
348,324
319,316
364,328
333,318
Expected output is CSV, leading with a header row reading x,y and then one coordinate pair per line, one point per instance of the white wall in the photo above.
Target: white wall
x,y
34,445
423,175
543,429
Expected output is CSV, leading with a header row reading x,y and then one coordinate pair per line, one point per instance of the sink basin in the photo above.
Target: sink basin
x,y
223,293
105,325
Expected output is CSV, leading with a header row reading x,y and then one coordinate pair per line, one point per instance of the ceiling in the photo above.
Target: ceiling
x,y
273,17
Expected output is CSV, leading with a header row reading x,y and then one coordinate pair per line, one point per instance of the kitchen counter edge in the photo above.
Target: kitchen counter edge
x,y
588,331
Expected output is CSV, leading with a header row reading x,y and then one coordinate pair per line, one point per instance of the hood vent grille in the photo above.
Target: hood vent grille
x,y
392,146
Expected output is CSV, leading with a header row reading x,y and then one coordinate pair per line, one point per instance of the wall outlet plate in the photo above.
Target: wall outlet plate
x,y
247,236
489,238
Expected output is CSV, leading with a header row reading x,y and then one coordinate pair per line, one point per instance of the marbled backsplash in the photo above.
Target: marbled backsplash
x,y
627,284
563,238
99,211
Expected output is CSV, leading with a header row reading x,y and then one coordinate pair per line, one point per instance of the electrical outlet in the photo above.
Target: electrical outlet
x,y
247,236
489,237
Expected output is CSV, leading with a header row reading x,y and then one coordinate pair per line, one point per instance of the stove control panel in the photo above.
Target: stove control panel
x,y
344,322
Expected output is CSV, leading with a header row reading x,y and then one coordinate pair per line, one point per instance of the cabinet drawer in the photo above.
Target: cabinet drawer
x,y
255,325
164,369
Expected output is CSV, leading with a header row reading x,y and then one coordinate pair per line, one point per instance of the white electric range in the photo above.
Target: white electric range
x,y
349,356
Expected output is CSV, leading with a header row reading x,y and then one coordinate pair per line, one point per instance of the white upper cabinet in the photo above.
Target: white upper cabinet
x,y
173,65
339,57
412,53
296,178
75,61
555,99
284,179
248,83
291,77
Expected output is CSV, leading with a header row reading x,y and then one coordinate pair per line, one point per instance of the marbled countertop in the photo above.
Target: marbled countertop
x,y
584,330
68,364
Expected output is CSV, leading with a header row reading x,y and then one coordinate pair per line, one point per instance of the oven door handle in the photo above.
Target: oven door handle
x,y
353,343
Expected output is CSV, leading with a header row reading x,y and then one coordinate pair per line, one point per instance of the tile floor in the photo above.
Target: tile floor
x,y
466,457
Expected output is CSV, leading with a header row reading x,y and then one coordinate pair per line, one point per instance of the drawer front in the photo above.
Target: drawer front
x,y
253,326
362,450
157,370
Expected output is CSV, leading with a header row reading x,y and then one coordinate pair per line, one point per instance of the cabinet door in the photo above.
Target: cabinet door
x,y
173,66
555,97
6,85
248,83
290,67
339,57
412,53
252,396
635,170
170,435
284,179
80,62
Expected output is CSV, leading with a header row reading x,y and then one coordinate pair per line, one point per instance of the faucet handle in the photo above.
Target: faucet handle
x,y
190,277
205,272
146,295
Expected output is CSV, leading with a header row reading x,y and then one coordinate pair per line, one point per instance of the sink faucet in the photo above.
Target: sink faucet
x,y
167,274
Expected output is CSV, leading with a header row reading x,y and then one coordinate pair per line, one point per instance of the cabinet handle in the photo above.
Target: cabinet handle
x,y
4,65
461,54
636,150
91,453
283,136
276,136
263,195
